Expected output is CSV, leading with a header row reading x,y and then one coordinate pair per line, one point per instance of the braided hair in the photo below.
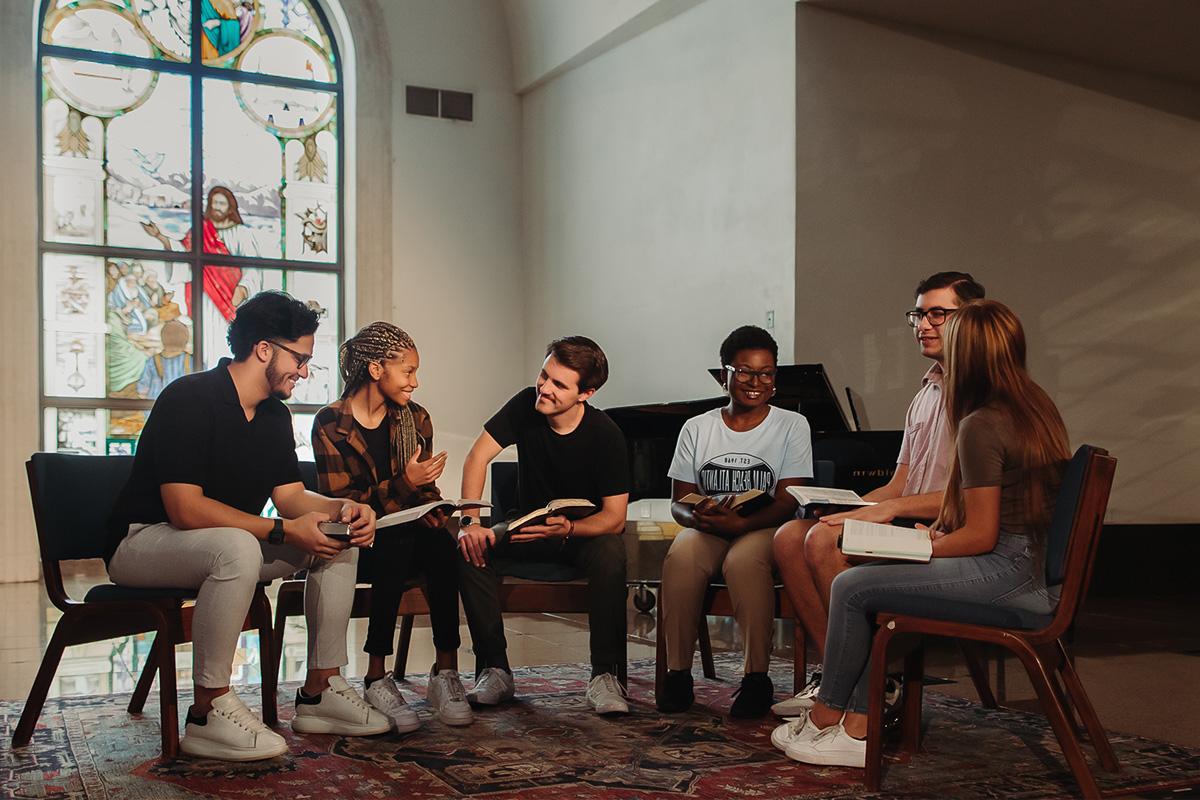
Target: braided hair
x,y
374,344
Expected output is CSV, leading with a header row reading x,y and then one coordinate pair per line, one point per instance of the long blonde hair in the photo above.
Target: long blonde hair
x,y
985,366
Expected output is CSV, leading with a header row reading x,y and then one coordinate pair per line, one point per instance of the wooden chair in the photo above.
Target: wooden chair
x,y
718,603
1036,640
72,498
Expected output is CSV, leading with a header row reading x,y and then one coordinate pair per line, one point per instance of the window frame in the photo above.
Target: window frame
x,y
197,73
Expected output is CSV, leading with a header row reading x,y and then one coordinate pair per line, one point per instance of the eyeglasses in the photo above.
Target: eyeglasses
x,y
743,375
935,315
301,358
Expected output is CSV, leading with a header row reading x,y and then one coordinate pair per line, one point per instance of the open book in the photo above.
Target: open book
x,y
571,508
416,512
820,496
874,540
747,502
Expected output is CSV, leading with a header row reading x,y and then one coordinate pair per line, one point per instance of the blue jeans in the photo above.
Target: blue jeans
x,y
1009,576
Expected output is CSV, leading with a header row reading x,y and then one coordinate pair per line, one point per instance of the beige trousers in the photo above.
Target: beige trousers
x,y
747,567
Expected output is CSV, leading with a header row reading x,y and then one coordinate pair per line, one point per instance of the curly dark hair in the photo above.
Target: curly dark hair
x,y
269,316
747,337
965,287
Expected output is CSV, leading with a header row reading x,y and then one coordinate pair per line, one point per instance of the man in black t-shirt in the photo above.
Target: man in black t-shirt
x,y
565,449
216,446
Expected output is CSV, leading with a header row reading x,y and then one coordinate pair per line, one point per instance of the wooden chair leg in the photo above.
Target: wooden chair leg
x,y
1083,705
1064,730
277,630
914,692
979,673
706,656
877,669
138,701
660,651
260,608
59,640
401,664
799,657
168,697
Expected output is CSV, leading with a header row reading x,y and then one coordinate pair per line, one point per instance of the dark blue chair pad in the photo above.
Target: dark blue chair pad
x,y
549,571
108,592
914,605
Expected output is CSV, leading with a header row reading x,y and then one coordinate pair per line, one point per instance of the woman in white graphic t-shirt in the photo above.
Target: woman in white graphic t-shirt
x,y
747,445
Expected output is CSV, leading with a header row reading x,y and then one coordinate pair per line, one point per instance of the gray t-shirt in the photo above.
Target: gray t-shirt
x,y
988,456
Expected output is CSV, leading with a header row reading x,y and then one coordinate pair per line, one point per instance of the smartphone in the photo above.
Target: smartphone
x,y
335,530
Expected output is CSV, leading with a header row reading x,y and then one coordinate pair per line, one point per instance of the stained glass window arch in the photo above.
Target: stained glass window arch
x,y
176,181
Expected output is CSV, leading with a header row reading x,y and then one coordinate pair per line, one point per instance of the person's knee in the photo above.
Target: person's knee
x,y
236,554
748,567
820,544
685,557
788,543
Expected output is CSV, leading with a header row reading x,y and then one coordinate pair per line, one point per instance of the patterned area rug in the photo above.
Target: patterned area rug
x,y
549,745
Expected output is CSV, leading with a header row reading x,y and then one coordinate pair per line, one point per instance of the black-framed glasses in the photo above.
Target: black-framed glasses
x,y
936,316
743,375
301,358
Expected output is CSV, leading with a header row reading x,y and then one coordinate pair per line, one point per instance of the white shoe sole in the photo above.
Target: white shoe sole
x,y
202,748
828,759
407,727
456,719
613,709
339,727
475,700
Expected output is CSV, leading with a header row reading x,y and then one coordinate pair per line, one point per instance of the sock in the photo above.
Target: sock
x,y
368,681
307,700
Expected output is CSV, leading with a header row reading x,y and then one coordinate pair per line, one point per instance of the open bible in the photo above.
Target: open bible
x,y
571,508
821,496
874,540
747,502
416,512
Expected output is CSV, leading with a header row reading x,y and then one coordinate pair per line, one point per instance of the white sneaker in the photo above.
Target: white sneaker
x,y
831,746
385,696
448,697
803,701
339,710
607,695
493,687
793,730
231,732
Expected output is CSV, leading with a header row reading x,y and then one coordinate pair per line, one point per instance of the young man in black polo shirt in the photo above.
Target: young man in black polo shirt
x,y
217,445
565,449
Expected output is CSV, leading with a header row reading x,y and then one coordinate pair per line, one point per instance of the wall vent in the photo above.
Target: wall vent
x,y
426,102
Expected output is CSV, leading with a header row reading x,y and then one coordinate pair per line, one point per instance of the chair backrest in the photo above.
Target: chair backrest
x,y
824,473
73,497
1075,528
308,474
505,491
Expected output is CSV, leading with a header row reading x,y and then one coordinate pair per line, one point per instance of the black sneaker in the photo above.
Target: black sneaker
x,y
754,697
677,694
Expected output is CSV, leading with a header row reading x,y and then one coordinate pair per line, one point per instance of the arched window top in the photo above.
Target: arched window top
x,y
176,182
286,38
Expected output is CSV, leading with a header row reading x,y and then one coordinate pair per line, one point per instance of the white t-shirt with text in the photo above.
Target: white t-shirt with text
x,y
723,461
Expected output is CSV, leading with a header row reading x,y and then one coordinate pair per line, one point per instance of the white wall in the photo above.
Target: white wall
x,y
659,197
1079,207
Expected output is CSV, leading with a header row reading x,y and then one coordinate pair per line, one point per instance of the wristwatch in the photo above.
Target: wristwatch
x,y
466,522
276,534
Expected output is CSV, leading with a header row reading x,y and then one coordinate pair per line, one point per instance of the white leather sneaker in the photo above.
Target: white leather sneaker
x,y
231,732
831,746
448,698
793,730
805,699
607,695
385,696
493,687
338,710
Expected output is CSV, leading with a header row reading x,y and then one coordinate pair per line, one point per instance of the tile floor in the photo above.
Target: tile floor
x,y
1139,658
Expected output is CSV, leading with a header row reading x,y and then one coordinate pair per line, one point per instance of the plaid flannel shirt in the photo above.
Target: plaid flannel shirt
x,y
346,469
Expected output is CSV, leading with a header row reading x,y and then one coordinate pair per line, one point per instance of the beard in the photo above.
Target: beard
x,y
276,383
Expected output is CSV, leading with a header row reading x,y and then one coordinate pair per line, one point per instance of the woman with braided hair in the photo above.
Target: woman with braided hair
x,y
374,446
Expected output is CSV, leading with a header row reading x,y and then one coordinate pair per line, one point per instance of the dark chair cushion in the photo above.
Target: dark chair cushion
x,y
951,611
549,571
108,592
75,496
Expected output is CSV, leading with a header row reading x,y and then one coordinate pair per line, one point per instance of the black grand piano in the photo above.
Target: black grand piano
x,y
862,460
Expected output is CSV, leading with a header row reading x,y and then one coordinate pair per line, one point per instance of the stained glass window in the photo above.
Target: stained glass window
x,y
163,163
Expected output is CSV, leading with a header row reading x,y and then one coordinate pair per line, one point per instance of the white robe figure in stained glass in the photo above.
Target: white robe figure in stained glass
x,y
226,288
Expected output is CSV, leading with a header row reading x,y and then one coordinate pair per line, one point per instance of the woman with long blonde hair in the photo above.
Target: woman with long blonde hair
x,y
988,541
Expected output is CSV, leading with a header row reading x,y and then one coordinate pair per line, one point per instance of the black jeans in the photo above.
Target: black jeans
x,y
600,559
402,554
